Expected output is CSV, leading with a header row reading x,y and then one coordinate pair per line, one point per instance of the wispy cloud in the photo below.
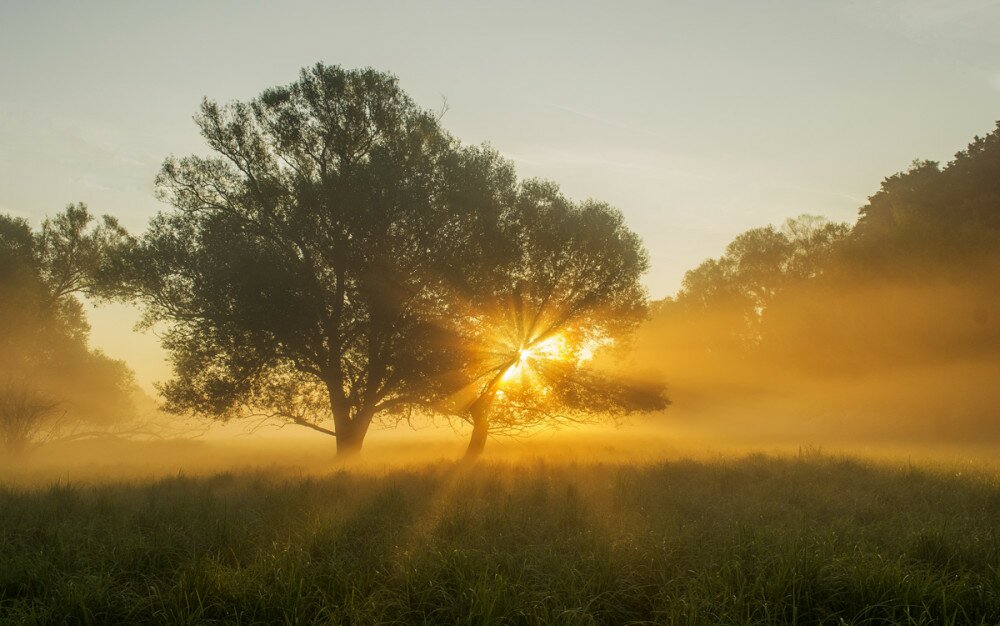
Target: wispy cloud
x,y
604,121
92,154
921,17
809,191
645,164
664,167
10,210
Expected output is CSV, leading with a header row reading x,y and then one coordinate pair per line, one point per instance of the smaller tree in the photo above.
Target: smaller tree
x,y
530,326
742,284
51,383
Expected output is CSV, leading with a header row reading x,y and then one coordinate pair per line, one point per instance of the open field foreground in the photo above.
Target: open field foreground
x,y
753,539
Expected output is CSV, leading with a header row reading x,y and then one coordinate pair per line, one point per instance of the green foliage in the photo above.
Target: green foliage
x,y
933,218
757,267
72,251
50,381
758,540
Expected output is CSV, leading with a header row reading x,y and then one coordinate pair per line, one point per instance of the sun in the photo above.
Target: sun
x,y
550,349
517,366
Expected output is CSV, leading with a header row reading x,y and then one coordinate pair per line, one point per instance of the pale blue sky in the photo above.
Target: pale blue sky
x,y
697,119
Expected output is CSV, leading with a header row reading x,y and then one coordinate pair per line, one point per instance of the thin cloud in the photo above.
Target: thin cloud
x,y
643,164
921,17
663,167
601,120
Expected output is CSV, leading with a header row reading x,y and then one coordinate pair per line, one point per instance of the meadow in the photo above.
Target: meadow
x,y
806,537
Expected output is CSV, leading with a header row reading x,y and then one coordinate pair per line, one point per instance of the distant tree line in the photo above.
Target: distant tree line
x,y
914,283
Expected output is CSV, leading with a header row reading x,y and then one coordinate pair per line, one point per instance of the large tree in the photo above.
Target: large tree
x,y
51,383
302,268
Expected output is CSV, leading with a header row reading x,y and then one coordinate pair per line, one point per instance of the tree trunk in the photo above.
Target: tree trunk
x,y
351,432
350,438
480,430
480,412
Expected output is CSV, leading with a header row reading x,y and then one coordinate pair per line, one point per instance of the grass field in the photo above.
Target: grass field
x,y
753,539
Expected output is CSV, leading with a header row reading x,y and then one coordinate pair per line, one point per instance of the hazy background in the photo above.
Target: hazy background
x,y
697,119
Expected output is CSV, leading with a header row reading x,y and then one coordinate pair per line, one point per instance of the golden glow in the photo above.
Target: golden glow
x,y
516,368
551,349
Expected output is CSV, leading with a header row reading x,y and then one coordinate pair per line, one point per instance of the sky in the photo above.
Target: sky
x,y
697,119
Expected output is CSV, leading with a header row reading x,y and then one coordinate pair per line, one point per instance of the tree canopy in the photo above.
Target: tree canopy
x,y
934,217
